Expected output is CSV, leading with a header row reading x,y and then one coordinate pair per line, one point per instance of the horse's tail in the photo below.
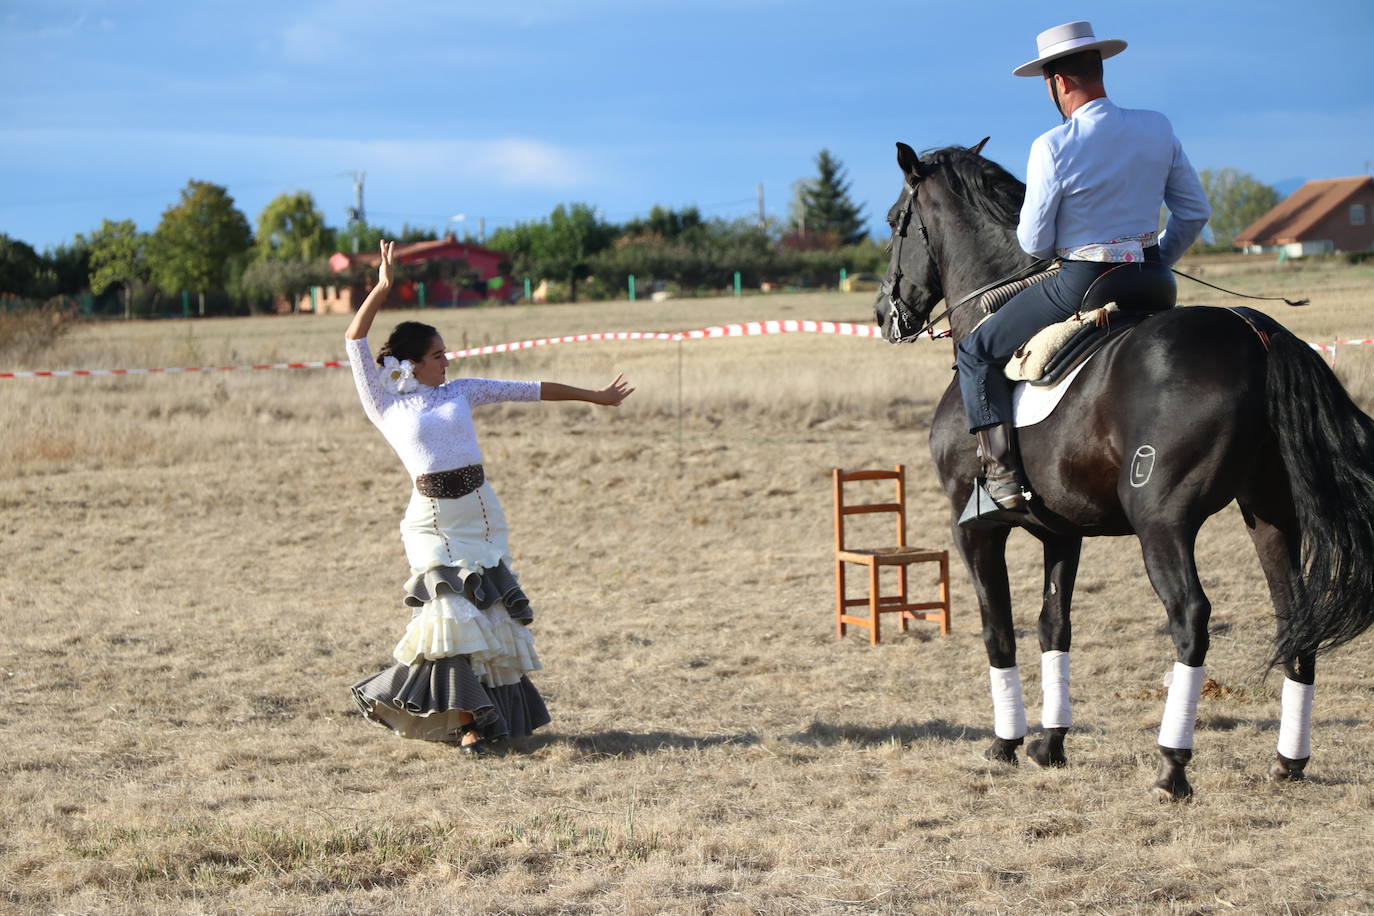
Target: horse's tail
x,y
1327,445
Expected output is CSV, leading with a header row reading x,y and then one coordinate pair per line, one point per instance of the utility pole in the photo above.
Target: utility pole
x,y
763,220
356,213
482,230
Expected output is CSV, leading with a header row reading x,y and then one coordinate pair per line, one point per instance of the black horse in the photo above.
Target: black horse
x,y
1230,408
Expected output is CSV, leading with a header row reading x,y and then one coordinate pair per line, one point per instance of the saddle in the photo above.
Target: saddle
x,y
1117,301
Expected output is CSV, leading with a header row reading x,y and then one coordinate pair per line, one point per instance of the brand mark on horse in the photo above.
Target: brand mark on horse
x,y
1142,465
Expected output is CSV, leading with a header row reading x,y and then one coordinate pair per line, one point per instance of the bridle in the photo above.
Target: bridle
x,y
903,316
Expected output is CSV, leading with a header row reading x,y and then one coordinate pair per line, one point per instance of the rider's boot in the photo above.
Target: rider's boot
x,y
999,496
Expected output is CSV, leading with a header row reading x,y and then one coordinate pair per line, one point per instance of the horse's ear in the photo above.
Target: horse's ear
x,y
977,148
908,161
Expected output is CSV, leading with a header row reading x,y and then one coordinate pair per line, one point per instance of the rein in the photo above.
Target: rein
x,y
1036,267
1295,304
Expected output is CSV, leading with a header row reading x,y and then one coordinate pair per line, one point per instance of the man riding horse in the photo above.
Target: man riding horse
x,y
1094,186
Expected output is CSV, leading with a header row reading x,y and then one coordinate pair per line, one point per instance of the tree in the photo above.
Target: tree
x,y
117,258
455,273
1237,199
561,248
21,269
409,234
822,204
70,265
360,238
291,228
664,223
198,239
269,277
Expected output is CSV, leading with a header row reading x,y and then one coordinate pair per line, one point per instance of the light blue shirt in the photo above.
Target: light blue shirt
x,y
1102,175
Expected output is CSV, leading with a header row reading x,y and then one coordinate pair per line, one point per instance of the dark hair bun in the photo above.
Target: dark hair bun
x,y
408,340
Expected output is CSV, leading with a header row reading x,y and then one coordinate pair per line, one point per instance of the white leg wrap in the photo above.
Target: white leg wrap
x,y
1054,679
1008,710
1295,721
1180,709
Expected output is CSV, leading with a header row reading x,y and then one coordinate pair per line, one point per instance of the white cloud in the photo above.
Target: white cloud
x,y
509,162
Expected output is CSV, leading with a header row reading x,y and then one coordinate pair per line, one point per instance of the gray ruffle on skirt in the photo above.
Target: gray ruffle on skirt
x,y
423,701
483,589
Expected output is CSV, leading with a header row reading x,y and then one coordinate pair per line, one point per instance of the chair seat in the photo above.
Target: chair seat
x,y
889,556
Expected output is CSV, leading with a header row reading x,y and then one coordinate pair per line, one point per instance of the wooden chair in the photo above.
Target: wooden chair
x,y
900,556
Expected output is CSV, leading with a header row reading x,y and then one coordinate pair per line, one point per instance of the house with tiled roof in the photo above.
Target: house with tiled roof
x,y
1332,214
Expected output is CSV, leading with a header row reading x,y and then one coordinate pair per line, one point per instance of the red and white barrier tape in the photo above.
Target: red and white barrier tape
x,y
65,373
746,329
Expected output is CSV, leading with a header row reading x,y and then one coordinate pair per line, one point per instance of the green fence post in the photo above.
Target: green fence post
x,y
420,288
185,304
737,284
528,297
314,300
843,276
632,287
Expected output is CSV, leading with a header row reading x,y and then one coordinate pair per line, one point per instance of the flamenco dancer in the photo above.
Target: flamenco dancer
x,y
461,667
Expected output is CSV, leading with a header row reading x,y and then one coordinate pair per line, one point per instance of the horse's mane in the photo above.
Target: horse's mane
x,y
981,182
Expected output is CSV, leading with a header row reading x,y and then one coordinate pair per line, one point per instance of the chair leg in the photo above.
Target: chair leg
x,y
839,599
905,615
873,601
944,594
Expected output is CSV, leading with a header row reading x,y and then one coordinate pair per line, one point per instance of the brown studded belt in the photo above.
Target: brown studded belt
x,y
453,484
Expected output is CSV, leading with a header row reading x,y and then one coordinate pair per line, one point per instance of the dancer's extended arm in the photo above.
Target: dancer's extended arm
x,y
610,396
362,321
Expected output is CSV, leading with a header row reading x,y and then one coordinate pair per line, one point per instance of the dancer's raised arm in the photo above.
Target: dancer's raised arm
x,y
362,321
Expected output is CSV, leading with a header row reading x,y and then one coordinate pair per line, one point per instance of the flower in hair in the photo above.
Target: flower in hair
x,y
398,376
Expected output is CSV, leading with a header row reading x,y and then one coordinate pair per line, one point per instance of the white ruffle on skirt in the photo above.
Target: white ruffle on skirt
x,y
499,649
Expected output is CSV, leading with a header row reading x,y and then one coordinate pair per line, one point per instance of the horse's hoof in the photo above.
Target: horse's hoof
x,y
1167,796
1286,770
1171,789
1003,750
1040,752
1172,784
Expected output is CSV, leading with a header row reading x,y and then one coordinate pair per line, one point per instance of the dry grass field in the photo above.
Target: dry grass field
x,y
195,567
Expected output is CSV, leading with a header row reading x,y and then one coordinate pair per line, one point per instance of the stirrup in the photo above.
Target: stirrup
x,y
982,511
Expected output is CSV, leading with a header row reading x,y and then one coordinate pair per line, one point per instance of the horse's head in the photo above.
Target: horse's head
x,y
914,283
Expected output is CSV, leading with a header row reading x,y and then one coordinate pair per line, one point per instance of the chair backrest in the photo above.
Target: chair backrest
x,y
842,509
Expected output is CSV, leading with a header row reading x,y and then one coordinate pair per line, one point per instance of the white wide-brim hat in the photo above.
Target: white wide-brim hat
x,y
1066,39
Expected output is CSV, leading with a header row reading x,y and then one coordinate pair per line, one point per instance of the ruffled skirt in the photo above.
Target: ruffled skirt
x,y
466,648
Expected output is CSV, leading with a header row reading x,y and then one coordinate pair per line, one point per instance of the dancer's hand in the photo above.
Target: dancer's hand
x,y
614,393
376,297
386,271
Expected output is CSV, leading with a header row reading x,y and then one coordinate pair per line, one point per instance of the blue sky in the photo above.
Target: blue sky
x,y
503,110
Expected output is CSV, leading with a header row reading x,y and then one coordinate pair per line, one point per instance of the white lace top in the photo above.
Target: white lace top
x,y
430,428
